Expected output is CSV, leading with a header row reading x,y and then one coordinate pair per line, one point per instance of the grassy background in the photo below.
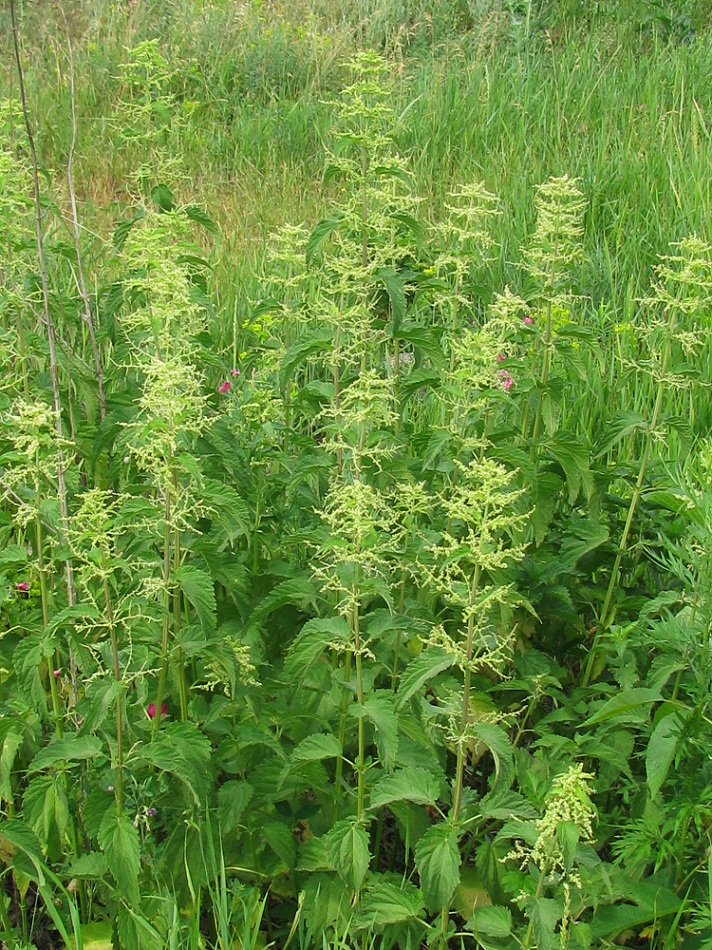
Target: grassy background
x,y
616,93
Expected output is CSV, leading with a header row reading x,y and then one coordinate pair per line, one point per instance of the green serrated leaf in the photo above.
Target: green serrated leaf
x,y
163,197
123,229
497,741
572,455
623,704
315,748
198,587
313,639
492,922
544,913
119,842
68,749
662,746
618,428
46,809
91,866
437,860
183,750
385,903
649,902
321,233
380,710
281,840
420,670
405,785
318,341
200,217
347,851
395,289
233,799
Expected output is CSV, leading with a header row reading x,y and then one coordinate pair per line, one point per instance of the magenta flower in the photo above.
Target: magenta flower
x,y
506,380
57,674
501,357
23,586
152,710
528,320
225,387
235,372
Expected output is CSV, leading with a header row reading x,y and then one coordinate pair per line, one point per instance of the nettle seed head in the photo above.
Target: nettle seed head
x,y
556,242
94,530
482,512
286,274
364,108
467,231
31,430
361,521
167,317
569,801
684,280
678,307
148,113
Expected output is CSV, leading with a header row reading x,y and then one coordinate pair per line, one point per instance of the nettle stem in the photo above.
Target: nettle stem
x,y
119,698
44,598
361,758
544,377
342,735
464,722
177,616
467,686
166,626
80,278
526,943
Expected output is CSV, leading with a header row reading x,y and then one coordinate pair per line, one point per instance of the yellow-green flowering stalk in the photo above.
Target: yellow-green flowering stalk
x,y
172,404
16,227
354,560
568,820
555,247
148,116
361,247
483,516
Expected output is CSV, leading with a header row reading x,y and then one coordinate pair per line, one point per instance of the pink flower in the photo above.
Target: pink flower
x,y
528,320
225,387
152,710
23,586
501,357
506,380
57,674
235,372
